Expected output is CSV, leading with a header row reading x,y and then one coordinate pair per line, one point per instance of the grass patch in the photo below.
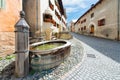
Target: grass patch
x,y
1,58
8,57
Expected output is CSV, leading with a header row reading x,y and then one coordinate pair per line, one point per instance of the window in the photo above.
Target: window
x,y
2,4
63,29
92,15
84,20
47,17
51,5
81,22
58,16
81,28
57,25
101,22
56,2
84,27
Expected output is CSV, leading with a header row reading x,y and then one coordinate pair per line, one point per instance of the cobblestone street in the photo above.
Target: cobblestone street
x,y
91,58
76,56
102,60
59,39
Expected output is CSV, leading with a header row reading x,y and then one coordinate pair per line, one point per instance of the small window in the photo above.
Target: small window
x,y
58,16
63,29
47,16
81,28
84,27
2,4
51,5
81,22
84,20
57,25
101,22
56,3
92,15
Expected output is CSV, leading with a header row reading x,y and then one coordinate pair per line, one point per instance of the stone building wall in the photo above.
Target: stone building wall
x,y
106,9
35,12
9,15
31,8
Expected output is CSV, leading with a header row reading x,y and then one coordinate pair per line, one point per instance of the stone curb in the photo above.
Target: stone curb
x,y
77,66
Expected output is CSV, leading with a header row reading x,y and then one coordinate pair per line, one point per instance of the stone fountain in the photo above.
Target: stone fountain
x,y
39,59
48,54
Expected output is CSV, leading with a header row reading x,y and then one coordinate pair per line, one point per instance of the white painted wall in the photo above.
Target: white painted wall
x,y
44,4
108,10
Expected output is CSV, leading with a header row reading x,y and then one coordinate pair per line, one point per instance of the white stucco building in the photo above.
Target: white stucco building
x,y
72,28
101,20
45,15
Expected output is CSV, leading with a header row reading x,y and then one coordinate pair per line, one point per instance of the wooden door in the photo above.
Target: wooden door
x,y
92,29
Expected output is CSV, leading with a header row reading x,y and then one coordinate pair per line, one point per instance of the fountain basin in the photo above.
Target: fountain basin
x,y
42,59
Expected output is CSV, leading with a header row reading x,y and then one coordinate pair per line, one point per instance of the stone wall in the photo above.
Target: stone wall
x,y
63,35
106,9
7,42
32,15
8,18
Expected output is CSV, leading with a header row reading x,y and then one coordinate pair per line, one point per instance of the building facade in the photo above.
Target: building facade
x,y
9,15
45,16
40,15
101,20
72,28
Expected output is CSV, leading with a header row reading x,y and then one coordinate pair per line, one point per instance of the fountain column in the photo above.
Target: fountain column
x,y
22,47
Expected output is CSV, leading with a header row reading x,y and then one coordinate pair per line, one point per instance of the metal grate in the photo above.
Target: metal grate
x,y
91,55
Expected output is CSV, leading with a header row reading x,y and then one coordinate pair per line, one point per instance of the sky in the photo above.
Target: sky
x,y
76,8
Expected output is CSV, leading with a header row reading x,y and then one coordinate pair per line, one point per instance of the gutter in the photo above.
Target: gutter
x,y
22,5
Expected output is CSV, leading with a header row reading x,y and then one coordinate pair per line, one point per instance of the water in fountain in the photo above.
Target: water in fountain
x,y
48,46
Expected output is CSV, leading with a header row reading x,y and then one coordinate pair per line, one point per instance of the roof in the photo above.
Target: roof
x,y
93,6
61,6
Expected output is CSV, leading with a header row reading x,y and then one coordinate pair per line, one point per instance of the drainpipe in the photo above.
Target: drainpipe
x,y
22,5
118,22
36,15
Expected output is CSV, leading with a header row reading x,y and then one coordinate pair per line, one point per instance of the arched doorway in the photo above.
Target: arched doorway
x,y
92,29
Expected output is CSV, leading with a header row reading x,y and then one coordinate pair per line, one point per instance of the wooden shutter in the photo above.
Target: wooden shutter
x,y
2,4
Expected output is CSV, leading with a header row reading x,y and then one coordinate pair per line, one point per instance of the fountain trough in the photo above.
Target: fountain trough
x,y
48,54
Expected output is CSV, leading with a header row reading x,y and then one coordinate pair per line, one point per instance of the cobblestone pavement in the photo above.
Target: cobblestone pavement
x,y
75,57
102,61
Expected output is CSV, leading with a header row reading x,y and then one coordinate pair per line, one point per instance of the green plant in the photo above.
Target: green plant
x,y
32,72
8,57
1,58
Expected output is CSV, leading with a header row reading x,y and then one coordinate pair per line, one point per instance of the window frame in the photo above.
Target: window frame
x,y
101,22
92,15
2,4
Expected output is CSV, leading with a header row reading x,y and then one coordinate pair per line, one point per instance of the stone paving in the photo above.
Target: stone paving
x,y
73,59
100,61
97,65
